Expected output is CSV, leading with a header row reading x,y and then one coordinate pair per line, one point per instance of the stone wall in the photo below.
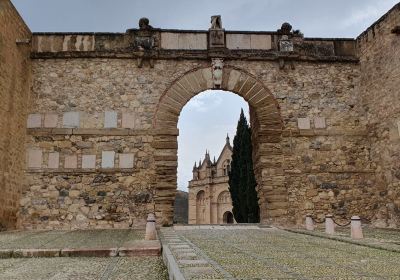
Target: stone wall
x,y
102,130
14,93
379,48
323,158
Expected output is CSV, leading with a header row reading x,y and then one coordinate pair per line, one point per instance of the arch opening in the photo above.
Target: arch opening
x,y
266,124
228,218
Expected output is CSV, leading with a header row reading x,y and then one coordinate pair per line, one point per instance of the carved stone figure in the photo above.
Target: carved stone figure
x,y
216,33
216,22
144,24
144,39
286,28
217,71
285,44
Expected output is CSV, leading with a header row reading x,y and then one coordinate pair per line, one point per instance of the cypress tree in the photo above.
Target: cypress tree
x,y
242,183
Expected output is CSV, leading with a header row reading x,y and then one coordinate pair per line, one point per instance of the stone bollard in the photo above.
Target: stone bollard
x,y
329,224
356,230
309,222
151,233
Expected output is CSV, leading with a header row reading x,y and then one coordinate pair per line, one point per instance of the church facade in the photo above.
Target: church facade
x,y
209,198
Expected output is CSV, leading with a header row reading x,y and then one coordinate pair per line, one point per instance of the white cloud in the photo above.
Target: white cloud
x,y
368,14
205,102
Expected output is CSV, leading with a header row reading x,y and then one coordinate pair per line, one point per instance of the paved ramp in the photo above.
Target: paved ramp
x,y
241,253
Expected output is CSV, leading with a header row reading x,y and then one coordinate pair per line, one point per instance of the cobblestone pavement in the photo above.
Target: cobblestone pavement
x,y
384,238
68,239
146,268
276,254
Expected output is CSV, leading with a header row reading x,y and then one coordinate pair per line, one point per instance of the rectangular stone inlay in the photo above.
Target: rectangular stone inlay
x,y
35,157
107,159
34,121
71,120
125,160
89,161
128,120
54,160
50,120
319,122
71,161
110,119
303,123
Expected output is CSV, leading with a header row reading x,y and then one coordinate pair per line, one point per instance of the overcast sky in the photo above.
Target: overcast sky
x,y
206,119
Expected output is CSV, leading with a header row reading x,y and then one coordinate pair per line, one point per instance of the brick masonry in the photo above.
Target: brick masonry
x,y
322,142
15,81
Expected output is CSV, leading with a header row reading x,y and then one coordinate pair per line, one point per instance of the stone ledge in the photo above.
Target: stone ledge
x,y
342,239
36,253
323,132
139,248
89,252
82,171
302,172
261,55
100,131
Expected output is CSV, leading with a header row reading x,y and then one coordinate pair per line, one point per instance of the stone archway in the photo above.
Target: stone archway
x,y
266,125
227,217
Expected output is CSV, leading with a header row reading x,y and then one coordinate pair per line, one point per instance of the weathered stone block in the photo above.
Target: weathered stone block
x,y
238,41
319,123
88,161
50,120
54,160
34,121
303,123
71,119
169,40
110,119
260,42
107,159
192,41
126,160
128,120
71,162
35,158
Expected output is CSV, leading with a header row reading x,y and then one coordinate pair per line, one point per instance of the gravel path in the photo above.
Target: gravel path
x,y
276,254
146,268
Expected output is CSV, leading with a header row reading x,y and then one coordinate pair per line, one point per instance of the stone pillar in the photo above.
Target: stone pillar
x,y
151,233
356,230
309,222
329,224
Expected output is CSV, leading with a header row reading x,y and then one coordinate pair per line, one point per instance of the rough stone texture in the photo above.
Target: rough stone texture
x,y
380,71
15,81
316,169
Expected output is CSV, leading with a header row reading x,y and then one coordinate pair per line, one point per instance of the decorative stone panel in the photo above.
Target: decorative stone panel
x,y
126,160
319,123
50,120
35,158
107,159
54,160
34,121
88,161
110,119
71,162
128,120
303,123
71,120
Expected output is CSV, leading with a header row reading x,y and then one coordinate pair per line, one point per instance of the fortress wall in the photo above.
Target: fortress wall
x,y
15,66
379,51
324,162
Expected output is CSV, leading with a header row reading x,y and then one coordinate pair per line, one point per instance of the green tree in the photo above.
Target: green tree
x,y
242,182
